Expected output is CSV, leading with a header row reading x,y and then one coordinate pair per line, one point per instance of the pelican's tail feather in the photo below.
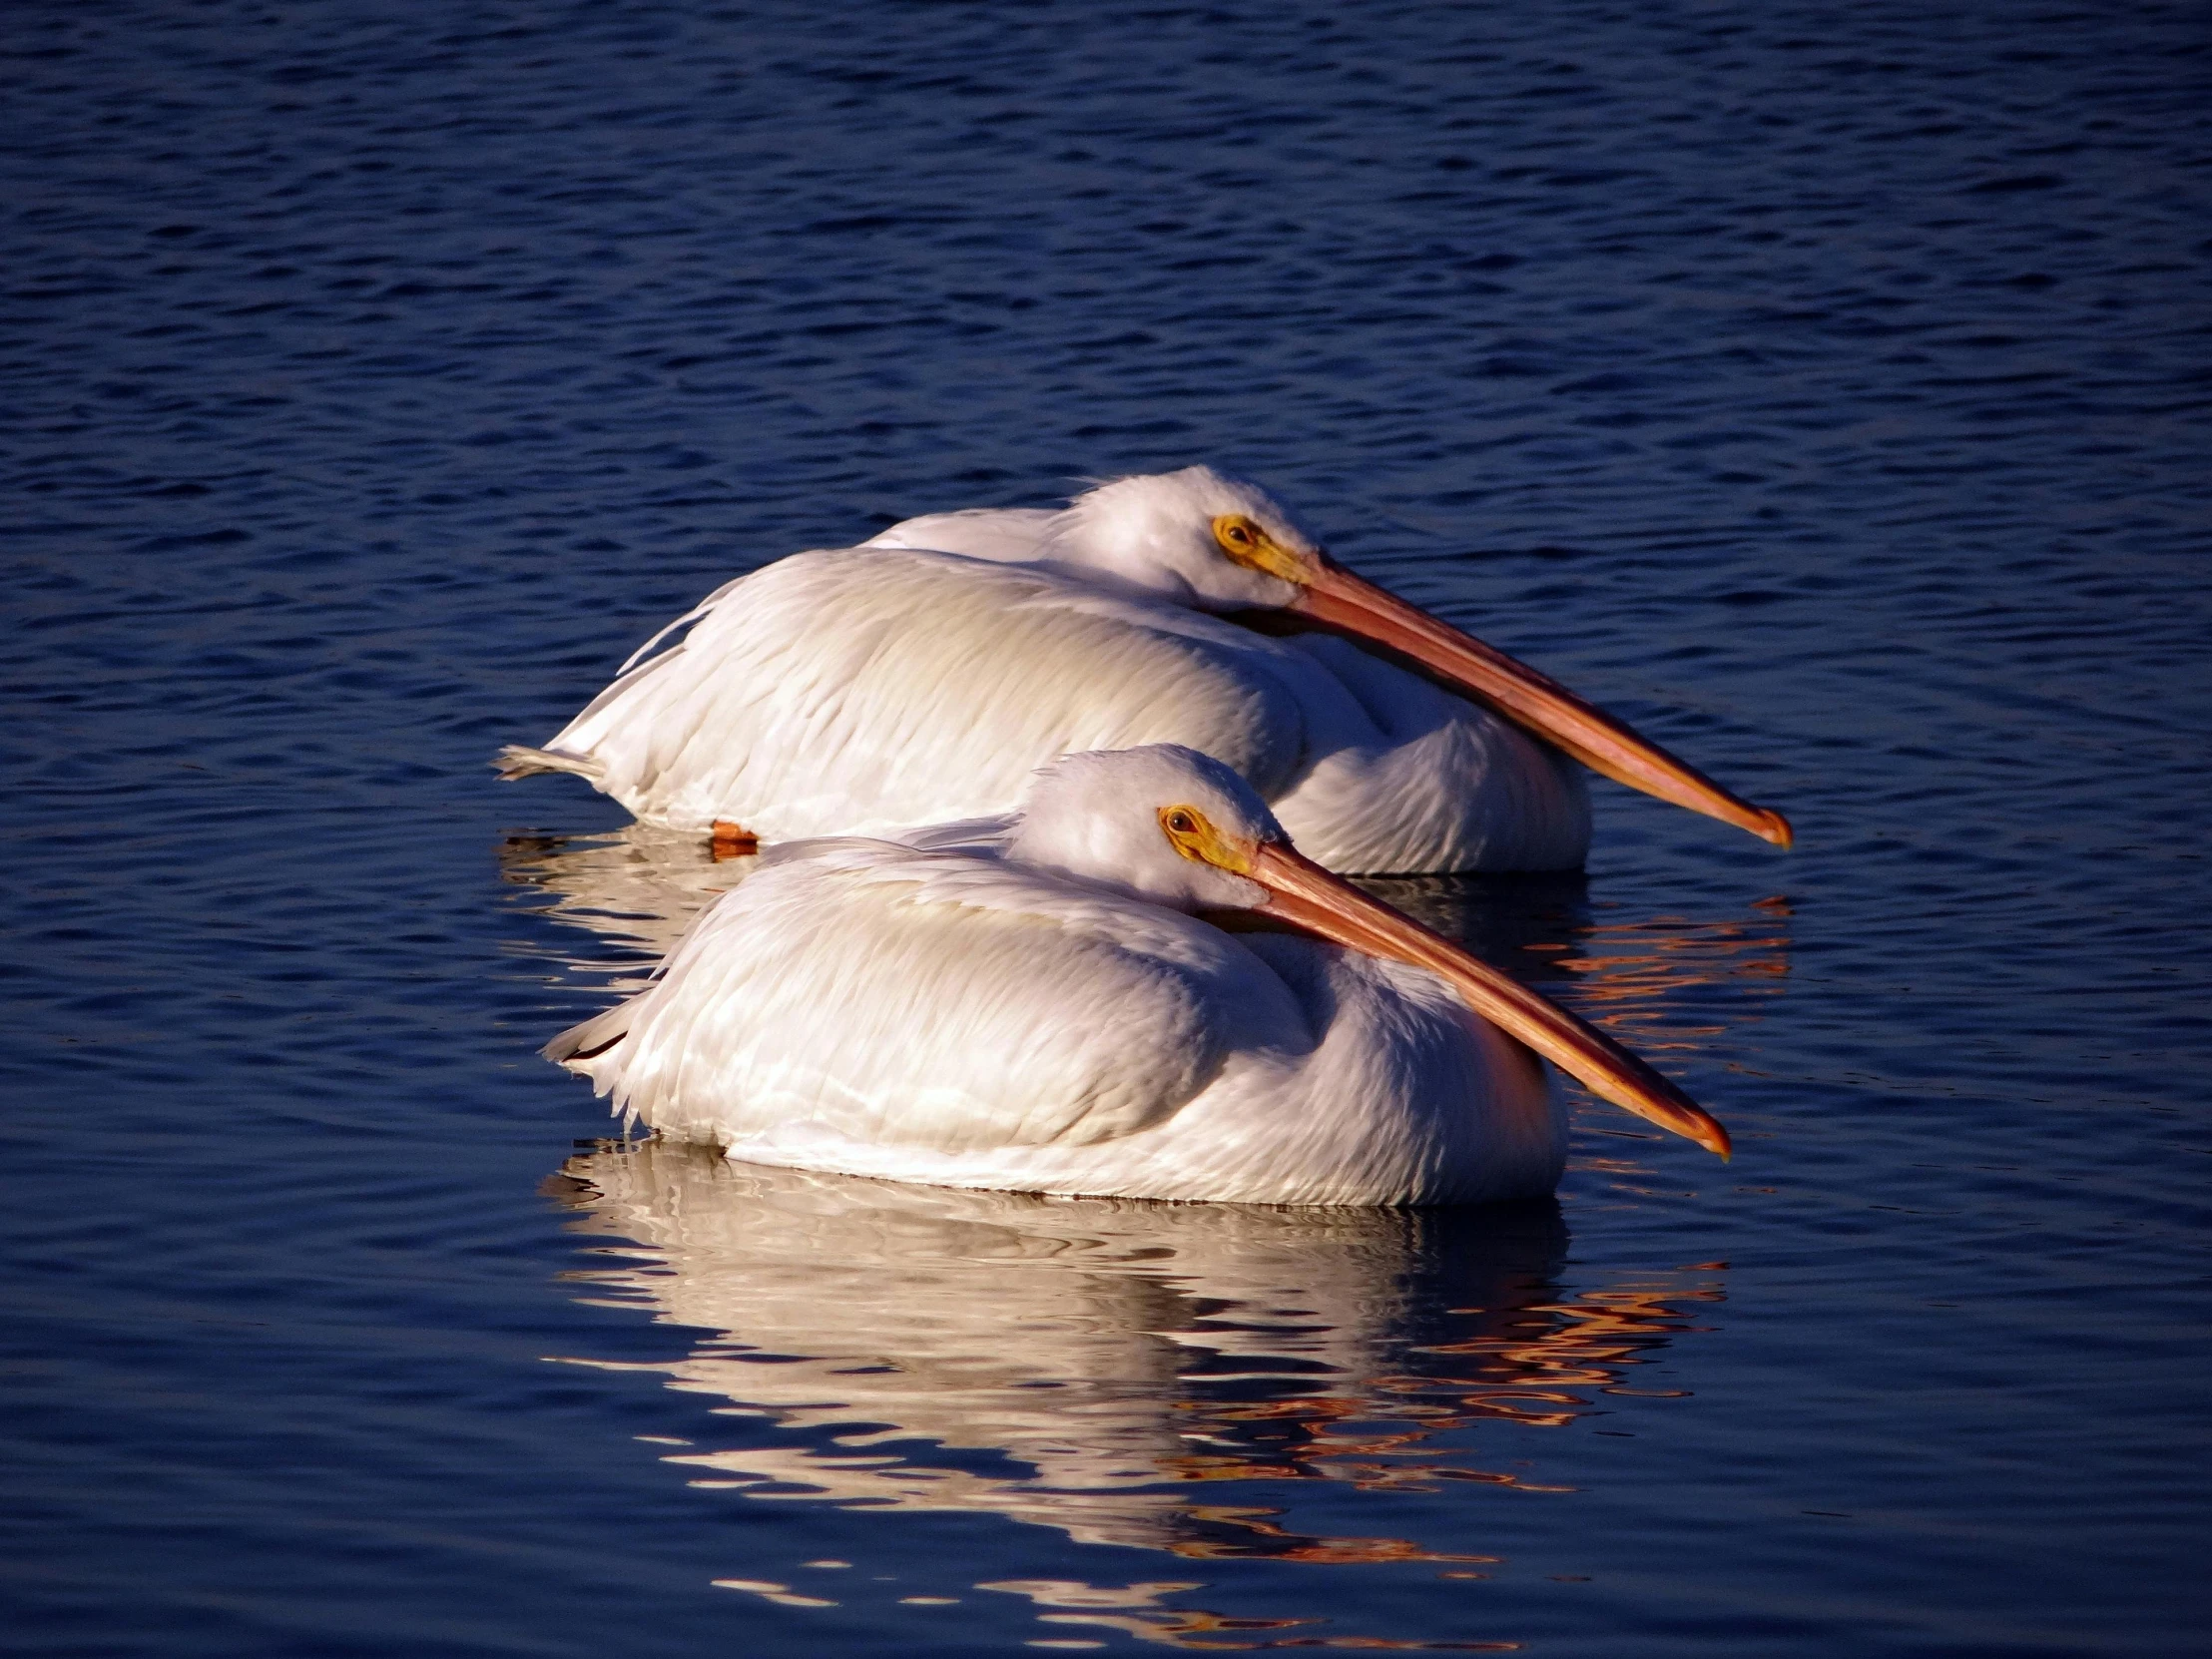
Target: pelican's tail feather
x,y
580,1044
521,760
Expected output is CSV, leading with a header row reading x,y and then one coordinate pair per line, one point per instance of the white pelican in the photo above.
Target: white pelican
x,y
1033,1003
923,676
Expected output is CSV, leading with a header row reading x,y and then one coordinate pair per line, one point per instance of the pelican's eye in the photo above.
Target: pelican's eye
x,y
1247,544
1240,538
1186,832
1193,834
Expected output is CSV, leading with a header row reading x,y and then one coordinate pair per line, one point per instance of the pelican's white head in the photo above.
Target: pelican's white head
x,y
1196,538
1193,537
1110,817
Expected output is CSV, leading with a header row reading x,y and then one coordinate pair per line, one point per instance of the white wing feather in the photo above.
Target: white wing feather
x,y
896,997
852,691
855,690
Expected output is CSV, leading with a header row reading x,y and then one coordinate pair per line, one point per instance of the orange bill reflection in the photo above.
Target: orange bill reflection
x,y
1155,1375
1666,984
1639,978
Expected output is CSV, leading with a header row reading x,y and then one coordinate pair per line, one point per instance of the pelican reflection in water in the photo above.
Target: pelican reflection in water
x,y
1157,1373
633,889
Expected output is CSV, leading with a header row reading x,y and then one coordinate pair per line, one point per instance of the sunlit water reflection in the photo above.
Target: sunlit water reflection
x,y
635,889
1153,1376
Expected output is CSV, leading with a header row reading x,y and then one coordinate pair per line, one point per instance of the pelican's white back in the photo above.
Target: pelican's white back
x,y
858,690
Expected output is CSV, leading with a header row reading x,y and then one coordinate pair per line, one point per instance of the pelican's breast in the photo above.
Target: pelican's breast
x,y
1406,1097
850,691
1432,782
857,992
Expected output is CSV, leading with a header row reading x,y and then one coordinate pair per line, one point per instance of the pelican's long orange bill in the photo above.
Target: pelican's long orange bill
x,y
1303,893
1528,699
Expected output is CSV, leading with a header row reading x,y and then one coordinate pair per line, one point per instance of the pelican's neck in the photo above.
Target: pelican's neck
x,y
1104,575
1067,849
1109,552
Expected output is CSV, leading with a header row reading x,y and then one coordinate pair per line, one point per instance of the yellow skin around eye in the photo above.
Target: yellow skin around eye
x,y
1201,843
1247,544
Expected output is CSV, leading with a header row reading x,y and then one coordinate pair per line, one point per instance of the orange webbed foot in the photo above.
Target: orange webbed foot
x,y
733,841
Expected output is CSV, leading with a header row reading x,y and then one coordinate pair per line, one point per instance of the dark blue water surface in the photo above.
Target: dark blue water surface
x,y
1827,389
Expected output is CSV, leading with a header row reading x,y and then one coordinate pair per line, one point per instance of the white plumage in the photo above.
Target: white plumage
x,y
1030,1003
923,676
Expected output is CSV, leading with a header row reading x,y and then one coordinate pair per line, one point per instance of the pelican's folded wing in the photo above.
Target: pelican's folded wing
x,y
871,992
854,690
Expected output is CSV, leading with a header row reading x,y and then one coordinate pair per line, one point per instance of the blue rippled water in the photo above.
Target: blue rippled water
x,y
1829,390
